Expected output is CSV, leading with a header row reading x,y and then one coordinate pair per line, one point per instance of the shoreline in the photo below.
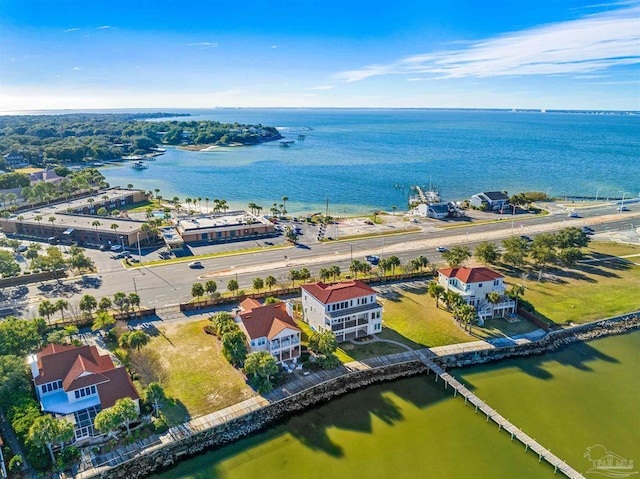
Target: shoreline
x,y
162,456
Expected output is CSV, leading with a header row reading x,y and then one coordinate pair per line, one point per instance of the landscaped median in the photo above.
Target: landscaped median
x,y
188,259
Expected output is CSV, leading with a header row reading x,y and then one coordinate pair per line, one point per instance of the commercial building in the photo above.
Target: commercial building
x,y
221,227
77,220
350,309
491,200
76,383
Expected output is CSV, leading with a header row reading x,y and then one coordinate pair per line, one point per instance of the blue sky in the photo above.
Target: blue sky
x,y
567,54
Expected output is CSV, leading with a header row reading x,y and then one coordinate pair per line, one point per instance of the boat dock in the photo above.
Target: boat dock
x,y
503,423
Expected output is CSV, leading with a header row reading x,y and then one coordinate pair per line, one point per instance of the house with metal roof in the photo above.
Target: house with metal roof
x,y
76,383
269,327
350,309
490,200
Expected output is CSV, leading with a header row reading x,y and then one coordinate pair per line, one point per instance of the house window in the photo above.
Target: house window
x,y
496,282
479,285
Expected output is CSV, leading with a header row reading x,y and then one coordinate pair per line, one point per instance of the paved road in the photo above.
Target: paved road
x,y
171,283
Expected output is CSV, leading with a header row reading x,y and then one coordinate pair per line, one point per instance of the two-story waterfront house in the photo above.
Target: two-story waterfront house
x,y
269,327
350,309
77,383
474,285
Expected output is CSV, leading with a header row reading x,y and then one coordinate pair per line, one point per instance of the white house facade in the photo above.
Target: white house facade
x,y
77,383
350,309
474,285
269,327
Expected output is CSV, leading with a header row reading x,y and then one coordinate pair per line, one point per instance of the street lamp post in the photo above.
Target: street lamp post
x,y
597,191
622,202
139,251
548,190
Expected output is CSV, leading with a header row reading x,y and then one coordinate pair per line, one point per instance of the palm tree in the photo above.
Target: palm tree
x,y
258,209
394,262
137,339
134,300
130,186
324,274
199,204
494,298
515,292
157,190
114,227
335,272
52,219
47,308
206,204
38,218
175,200
284,204
103,321
95,224
270,282
436,291
210,287
467,315
87,304
258,284
252,207
61,305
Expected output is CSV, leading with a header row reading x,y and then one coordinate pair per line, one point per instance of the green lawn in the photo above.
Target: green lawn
x,y
356,352
412,318
589,292
200,380
501,328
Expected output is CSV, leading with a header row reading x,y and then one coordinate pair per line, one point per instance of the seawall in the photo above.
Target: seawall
x,y
157,458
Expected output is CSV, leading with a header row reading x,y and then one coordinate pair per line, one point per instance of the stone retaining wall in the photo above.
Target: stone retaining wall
x,y
155,460
552,341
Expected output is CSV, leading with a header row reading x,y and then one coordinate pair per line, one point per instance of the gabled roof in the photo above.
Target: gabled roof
x,y
56,362
338,292
495,195
471,275
267,320
82,367
119,385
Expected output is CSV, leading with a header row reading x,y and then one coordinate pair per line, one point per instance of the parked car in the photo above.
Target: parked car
x,y
587,230
53,240
122,255
116,248
441,249
374,260
526,238
574,215
104,247
22,248
622,208
195,265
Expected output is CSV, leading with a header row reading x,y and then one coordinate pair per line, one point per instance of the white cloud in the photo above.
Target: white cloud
x,y
77,68
203,44
321,87
71,30
104,27
592,43
274,46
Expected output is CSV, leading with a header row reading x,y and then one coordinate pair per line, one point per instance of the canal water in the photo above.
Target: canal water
x,y
584,395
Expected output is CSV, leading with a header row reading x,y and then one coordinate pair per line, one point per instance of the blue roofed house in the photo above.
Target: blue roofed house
x,y
490,200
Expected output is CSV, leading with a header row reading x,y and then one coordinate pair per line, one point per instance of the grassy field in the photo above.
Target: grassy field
x,y
590,291
411,317
501,328
200,380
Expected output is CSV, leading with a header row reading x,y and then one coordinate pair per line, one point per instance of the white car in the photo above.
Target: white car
x,y
441,249
195,265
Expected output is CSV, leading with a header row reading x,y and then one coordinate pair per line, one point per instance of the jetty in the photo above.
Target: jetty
x,y
503,423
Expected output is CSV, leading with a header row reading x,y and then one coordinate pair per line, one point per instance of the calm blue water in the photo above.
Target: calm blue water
x,y
357,158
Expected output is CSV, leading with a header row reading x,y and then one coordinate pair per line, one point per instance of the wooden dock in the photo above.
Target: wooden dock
x,y
503,423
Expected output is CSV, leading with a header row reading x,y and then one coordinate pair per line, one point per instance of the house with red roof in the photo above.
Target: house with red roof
x,y
350,309
269,327
474,285
76,383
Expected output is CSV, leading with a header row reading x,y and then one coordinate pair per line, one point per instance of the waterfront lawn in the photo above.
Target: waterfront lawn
x,y
501,328
199,379
411,317
590,291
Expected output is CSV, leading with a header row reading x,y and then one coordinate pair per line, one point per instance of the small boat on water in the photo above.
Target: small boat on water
x,y
286,143
139,165
97,163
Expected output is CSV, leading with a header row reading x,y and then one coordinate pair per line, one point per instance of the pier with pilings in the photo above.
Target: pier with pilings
x,y
503,423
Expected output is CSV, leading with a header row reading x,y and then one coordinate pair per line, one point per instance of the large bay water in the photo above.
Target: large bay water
x,y
360,160
583,395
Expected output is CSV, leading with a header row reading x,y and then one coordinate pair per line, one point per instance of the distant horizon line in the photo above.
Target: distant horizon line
x,y
177,109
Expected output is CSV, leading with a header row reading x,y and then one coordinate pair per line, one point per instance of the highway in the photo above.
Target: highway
x,y
167,284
